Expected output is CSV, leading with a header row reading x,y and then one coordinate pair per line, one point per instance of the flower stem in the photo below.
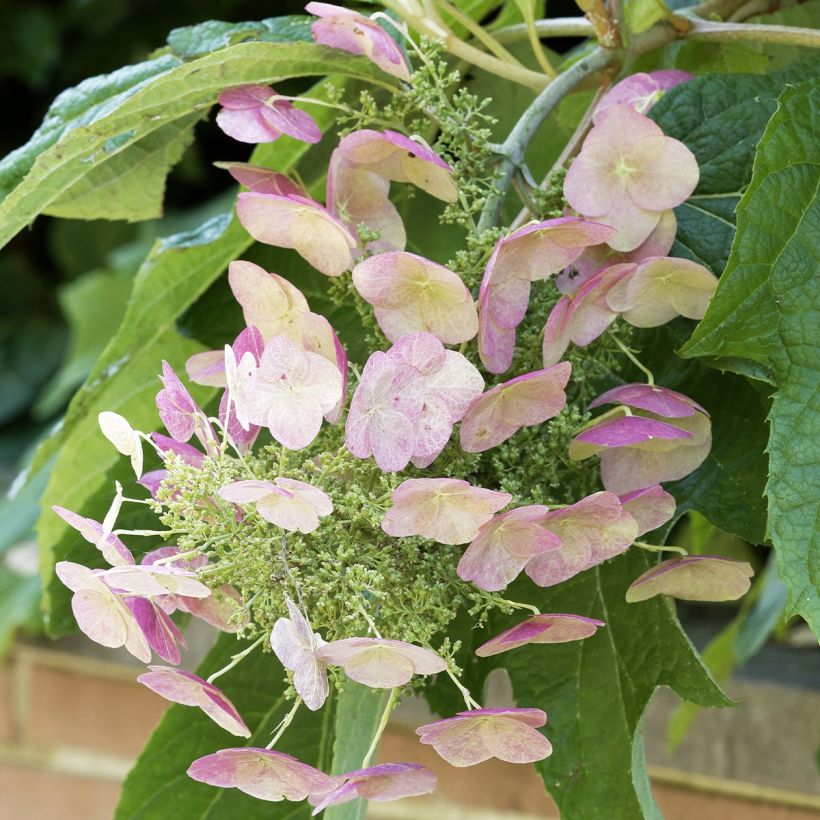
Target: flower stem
x,y
235,659
518,605
631,356
708,31
660,548
374,744
286,721
465,692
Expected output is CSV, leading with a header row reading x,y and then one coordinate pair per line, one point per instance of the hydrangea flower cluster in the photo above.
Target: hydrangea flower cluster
x,y
258,499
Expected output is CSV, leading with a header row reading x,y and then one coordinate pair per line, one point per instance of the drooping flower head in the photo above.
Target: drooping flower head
x,y
380,663
261,773
299,223
382,783
531,253
475,736
558,628
627,174
521,402
447,510
591,531
290,504
663,437
639,91
182,687
256,113
410,293
350,31
694,578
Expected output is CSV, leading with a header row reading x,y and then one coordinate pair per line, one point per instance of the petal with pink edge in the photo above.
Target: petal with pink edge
x,y
694,578
558,628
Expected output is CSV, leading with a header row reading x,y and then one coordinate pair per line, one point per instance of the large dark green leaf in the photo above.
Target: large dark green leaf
x,y
595,691
173,95
158,787
765,310
720,118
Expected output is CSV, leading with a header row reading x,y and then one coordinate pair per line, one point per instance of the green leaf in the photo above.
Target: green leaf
x,y
765,310
728,487
358,712
168,98
131,185
195,41
720,118
596,691
158,788
19,599
124,380
642,14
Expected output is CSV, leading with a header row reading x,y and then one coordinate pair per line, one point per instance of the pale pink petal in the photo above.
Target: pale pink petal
x,y
380,663
262,180
112,549
261,773
694,578
504,545
639,91
650,507
160,631
559,628
447,510
521,402
301,224
178,411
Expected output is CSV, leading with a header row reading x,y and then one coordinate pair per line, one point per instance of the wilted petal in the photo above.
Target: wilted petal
x,y
661,289
521,402
298,223
447,510
350,31
189,690
293,505
474,736
411,293
559,628
261,773
694,578
591,531
380,663
387,781
398,158
504,545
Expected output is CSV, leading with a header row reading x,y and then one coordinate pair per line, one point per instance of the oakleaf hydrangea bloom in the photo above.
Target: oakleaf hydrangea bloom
x,y
639,91
299,223
295,644
350,31
290,504
380,663
261,773
255,113
410,293
447,510
534,252
591,531
387,781
638,447
694,578
290,392
505,545
558,628
400,159
477,735
627,174
189,690
521,402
